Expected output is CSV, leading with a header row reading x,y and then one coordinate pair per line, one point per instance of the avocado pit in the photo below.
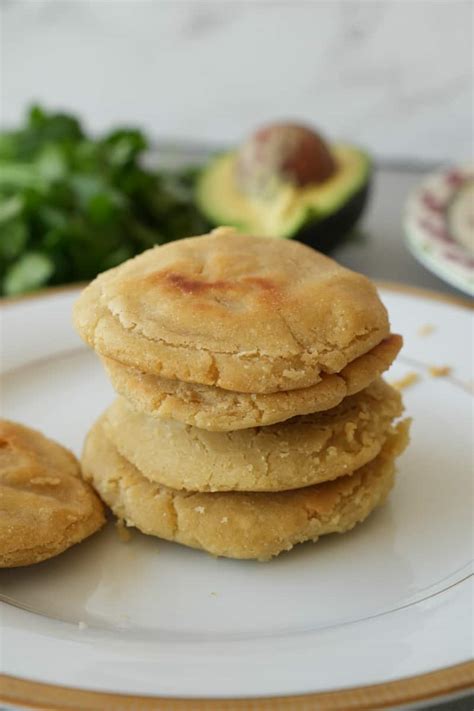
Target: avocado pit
x,y
283,153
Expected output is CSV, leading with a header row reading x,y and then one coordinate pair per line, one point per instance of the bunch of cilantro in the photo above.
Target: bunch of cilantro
x,y
72,206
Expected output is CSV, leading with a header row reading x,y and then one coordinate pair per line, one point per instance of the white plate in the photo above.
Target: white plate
x,y
392,599
441,245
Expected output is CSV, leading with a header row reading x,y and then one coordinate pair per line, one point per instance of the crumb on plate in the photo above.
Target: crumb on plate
x,y
439,371
407,380
426,329
123,532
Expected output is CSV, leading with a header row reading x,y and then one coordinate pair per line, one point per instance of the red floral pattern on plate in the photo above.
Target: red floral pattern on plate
x,y
429,233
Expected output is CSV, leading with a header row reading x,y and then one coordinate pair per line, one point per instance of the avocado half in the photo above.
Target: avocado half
x,y
319,215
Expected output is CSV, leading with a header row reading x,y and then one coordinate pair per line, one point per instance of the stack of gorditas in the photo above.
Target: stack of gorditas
x,y
251,413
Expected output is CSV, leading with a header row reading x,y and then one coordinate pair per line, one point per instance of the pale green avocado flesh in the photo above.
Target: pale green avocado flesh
x,y
290,208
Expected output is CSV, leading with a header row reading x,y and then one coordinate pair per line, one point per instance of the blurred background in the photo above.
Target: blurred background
x,y
394,75
191,77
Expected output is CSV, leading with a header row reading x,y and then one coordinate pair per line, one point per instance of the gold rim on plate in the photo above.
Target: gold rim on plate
x,y
448,681
424,687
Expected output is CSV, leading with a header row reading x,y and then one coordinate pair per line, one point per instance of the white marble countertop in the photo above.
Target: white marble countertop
x,y
394,76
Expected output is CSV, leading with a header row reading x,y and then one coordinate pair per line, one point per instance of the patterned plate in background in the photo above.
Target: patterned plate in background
x,y
439,225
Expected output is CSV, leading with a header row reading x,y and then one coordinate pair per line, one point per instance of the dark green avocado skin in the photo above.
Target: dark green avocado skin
x,y
327,233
